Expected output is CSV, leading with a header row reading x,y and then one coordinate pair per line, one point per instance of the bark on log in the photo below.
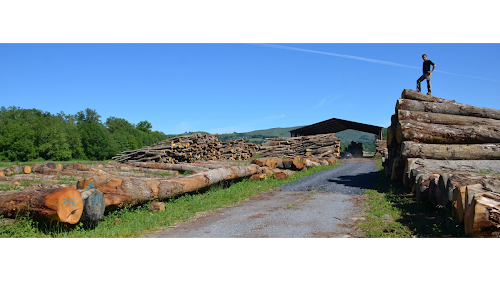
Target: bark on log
x,y
448,108
490,151
61,204
450,166
445,119
168,166
123,190
446,134
414,95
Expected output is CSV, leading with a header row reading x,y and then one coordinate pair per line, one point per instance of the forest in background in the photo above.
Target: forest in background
x,y
32,134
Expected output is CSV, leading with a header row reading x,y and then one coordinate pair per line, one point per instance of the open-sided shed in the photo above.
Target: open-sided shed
x,y
335,125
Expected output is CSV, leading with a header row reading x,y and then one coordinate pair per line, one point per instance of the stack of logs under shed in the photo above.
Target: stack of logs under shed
x,y
448,153
189,149
319,146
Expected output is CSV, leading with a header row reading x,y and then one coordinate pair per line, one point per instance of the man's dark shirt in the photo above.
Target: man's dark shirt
x,y
427,66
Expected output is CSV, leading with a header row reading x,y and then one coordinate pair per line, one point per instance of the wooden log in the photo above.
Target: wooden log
x,y
257,177
167,166
93,206
119,191
448,108
414,95
446,134
287,163
445,119
482,217
299,163
27,169
490,151
423,182
282,174
157,206
61,204
398,166
458,203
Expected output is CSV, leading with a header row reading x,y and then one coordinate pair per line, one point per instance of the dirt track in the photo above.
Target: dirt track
x,y
325,204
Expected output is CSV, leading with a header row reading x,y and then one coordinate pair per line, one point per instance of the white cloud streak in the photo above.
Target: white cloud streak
x,y
362,59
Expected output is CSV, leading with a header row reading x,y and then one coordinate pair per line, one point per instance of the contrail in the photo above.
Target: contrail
x,y
362,59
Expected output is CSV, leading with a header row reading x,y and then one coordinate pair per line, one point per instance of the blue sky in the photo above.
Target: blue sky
x,y
225,88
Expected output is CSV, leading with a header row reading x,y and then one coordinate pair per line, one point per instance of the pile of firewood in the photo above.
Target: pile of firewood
x,y
448,153
187,149
319,146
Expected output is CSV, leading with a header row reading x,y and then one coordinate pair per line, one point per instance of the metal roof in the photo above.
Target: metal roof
x,y
335,125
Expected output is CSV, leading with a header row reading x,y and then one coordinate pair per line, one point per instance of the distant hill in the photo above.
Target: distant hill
x,y
259,136
346,136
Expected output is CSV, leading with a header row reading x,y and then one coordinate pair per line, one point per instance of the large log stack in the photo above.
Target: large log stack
x,y
318,146
446,152
195,147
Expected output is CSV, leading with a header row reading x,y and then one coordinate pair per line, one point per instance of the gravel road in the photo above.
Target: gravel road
x,y
325,204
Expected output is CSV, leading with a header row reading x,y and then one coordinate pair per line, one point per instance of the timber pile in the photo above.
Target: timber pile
x,y
446,152
381,148
318,146
356,149
186,149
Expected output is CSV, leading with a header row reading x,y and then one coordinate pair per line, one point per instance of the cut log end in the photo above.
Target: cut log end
x,y
67,203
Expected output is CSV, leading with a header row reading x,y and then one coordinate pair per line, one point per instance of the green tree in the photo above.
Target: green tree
x,y
94,141
54,144
144,126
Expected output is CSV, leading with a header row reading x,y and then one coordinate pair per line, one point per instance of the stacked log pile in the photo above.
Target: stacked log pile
x,y
356,149
318,146
195,147
381,148
446,152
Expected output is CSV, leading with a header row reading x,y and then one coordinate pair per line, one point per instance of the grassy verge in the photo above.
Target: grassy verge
x,y
393,212
138,221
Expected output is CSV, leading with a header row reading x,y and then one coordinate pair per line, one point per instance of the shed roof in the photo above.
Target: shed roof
x,y
335,125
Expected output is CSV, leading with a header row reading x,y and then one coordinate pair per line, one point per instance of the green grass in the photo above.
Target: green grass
x,y
393,212
4,165
138,221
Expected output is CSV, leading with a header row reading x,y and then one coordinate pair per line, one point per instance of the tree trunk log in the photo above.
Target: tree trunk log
x,y
414,95
446,134
168,166
490,151
122,190
445,119
448,108
61,204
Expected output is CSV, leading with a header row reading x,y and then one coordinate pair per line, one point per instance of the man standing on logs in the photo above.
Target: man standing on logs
x,y
426,68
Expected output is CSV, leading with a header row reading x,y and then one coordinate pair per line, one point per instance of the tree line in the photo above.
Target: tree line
x,y
32,134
